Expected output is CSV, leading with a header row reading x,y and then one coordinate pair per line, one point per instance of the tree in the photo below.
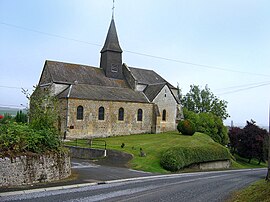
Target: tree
x,y
44,115
204,101
209,124
251,142
234,135
44,109
21,117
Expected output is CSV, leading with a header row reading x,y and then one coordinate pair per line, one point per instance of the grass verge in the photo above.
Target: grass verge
x,y
242,163
259,191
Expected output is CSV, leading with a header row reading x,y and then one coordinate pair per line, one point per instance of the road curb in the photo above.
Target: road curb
x,y
29,191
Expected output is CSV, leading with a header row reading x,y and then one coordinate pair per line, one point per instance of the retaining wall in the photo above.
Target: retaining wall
x,y
86,153
212,165
34,169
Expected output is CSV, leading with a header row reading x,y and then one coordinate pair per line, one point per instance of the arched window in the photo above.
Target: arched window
x,y
121,114
164,115
139,115
80,113
101,112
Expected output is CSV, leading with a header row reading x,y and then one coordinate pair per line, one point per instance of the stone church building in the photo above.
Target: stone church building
x,y
113,99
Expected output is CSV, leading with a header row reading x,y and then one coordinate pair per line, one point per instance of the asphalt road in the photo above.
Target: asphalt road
x,y
86,171
204,186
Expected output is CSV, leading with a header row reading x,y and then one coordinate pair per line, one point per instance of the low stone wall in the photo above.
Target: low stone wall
x,y
86,153
212,165
34,169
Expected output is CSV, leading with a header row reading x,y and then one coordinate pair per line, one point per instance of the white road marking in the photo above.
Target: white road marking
x,y
83,165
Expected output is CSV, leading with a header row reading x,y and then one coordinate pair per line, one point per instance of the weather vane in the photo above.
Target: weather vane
x,y
113,10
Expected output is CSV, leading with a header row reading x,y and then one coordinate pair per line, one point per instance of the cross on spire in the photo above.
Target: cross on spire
x,y
113,10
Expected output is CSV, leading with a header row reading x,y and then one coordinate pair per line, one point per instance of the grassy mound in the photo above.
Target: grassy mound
x,y
154,145
177,158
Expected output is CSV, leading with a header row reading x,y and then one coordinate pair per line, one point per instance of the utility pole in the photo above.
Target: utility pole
x,y
268,172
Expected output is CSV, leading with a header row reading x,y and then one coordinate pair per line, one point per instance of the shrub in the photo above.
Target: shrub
x,y
17,138
186,127
177,158
6,118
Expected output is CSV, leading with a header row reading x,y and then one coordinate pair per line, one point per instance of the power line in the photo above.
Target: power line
x,y
196,64
137,53
14,87
240,86
9,105
48,34
243,89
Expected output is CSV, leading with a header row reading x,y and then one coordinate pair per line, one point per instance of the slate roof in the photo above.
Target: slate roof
x,y
112,43
91,83
145,76
104,93
151,91
60,72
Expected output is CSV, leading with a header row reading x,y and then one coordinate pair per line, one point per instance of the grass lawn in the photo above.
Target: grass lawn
x,y
153,145
259,191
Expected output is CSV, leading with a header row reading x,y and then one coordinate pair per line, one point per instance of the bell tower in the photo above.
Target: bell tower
x,y
111,54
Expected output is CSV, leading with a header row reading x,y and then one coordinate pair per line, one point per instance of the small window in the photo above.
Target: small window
x,y
80,113
114,67
121,114
101,112
139,115
164,115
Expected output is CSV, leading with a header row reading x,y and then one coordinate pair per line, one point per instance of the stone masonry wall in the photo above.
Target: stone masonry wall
x,y
165,100
90,126
86,153
224,164
33,169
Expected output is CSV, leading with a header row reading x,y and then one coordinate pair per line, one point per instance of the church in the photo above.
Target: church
x,y
113,99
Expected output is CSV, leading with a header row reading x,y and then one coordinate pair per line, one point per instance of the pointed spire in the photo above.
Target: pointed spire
x,y
112,43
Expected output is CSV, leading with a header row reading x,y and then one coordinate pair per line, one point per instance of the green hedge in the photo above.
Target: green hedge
x,y
177,158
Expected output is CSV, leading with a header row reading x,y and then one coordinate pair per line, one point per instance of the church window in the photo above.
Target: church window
x,y
101,112
121,114
80,113
164,115
139,115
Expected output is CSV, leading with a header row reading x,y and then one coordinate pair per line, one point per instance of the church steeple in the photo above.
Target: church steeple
x,y
111,54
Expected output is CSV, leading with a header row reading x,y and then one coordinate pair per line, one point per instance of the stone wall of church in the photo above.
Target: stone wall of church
x,y
166,101
90,126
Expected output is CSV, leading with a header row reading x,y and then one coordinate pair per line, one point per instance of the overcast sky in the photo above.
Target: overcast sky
x,y
224,44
